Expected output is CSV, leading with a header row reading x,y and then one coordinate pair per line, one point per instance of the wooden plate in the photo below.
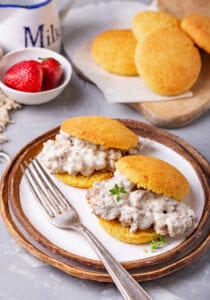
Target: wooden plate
x,y
154,267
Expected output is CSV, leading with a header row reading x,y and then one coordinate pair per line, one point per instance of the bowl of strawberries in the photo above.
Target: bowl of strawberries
x,y
34,75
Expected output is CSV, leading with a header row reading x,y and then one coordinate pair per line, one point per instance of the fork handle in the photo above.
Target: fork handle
x,y
126,284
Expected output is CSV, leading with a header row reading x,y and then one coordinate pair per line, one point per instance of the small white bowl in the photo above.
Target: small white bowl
x,y
33,53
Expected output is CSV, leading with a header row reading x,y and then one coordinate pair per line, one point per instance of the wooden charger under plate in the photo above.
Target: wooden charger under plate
x,y
143,269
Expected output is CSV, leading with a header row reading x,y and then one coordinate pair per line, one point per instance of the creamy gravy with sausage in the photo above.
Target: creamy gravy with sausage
x,y
139,208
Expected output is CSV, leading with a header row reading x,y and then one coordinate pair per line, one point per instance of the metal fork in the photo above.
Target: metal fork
x,y
60,213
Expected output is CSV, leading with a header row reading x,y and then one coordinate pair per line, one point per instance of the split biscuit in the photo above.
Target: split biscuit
x,y
113,50
98,130
168,61
146,21
198,28
153,174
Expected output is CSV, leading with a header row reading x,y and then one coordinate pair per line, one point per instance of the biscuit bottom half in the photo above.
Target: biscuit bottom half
x,y
83,181
122,233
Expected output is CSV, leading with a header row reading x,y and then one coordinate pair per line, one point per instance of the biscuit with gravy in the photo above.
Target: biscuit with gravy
x,y
86,149
148,177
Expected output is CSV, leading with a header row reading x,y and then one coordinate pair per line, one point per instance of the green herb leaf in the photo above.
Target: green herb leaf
x,y
118,197
116,191
157,244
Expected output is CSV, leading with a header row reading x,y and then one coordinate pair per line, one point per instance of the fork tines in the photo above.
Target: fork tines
x,y
44,189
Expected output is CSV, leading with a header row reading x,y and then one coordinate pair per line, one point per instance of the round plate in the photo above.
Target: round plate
x,y
155,266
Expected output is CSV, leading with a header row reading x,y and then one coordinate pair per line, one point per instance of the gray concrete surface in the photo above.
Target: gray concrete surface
x,y
23,277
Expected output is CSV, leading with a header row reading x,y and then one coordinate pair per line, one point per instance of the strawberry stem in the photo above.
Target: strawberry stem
x,y
44,59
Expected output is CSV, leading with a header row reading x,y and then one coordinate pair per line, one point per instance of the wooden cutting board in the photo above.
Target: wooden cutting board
x,y
177,113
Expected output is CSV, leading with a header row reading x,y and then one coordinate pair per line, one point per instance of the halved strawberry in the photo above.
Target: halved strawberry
x,y
26,76
53,72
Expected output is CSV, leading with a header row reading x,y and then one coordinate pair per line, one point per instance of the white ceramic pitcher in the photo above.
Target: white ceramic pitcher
x,y
31,23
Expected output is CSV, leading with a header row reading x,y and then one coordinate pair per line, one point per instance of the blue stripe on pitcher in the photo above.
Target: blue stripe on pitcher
x,y
32,6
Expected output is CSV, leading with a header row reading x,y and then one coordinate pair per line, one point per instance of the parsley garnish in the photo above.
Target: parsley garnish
x,y
156,244
116,191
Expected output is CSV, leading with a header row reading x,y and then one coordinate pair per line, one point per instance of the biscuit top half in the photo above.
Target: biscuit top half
x,y
154,174
102,131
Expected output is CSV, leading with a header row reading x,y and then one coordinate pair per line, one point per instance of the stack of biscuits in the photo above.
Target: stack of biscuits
x,y
159,48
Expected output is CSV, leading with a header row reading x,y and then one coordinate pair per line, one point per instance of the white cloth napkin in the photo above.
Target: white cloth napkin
x,y
82,24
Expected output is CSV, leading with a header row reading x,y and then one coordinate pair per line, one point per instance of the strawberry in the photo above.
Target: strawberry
x,y
52,71
25,76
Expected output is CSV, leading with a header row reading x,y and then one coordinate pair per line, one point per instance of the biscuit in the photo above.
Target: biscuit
x,y
198,28
122,233
102,131
83,181
154,174
168,61
146,21
113,50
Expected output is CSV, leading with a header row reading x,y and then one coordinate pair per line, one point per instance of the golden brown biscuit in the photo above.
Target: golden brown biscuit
x,y
154,174
98,130
113,50
146,21
122,233
198,28
102,131
83,181
168,61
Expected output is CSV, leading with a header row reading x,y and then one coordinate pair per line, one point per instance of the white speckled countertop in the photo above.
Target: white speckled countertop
x,y
23,277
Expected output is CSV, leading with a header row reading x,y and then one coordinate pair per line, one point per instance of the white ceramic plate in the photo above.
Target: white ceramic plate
x,y
69,252
75,243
